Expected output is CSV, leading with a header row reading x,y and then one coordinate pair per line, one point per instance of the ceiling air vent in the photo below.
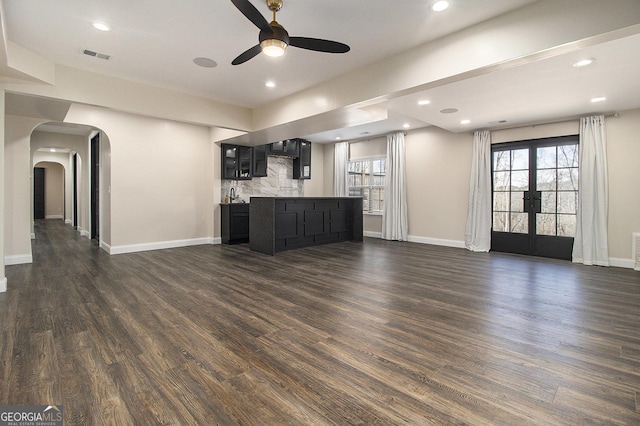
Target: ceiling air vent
x,y
96,54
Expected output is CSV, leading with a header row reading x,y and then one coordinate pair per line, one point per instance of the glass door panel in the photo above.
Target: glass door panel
x,y
535,192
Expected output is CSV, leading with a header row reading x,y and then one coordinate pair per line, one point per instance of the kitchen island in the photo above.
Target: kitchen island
x,y
283,223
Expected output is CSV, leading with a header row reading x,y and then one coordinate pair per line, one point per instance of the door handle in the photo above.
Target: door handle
x,y
532,204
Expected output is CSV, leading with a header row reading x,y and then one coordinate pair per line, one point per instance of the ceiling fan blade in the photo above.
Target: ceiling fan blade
x,y
252,14
318,44
246,55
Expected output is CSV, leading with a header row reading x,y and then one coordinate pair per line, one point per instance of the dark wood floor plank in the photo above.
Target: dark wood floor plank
x,y
380,332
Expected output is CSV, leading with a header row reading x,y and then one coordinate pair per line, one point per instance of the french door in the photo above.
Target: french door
x,y
535,195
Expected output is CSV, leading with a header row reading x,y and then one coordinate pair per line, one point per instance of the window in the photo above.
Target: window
x,y
366,180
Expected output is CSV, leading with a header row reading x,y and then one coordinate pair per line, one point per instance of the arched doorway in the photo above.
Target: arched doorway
x,y
70,146
49,193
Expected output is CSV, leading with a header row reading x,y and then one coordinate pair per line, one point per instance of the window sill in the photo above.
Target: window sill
x,y
372,213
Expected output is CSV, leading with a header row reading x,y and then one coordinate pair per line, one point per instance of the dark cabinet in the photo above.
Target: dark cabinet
x,y
259,161
285,148
236,162
278,224
234,221
302,164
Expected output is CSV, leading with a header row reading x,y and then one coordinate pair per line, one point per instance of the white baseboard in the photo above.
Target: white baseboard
x,y
106,247
33,235
133,248
68,222
84,233
3,285
18,259
422,240
621,263
54,216
437,241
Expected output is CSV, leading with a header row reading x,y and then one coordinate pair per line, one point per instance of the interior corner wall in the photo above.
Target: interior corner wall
x,y
438,166
162,187
328,154
623,153
314,187
3,278
17,188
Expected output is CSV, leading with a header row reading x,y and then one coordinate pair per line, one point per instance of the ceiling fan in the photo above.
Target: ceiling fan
x,y
274,39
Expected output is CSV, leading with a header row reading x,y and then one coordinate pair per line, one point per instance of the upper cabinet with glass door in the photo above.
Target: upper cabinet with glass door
x,y
236,162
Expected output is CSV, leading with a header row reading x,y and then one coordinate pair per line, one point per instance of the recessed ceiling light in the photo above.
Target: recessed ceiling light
x,y
583,62
424,102
52,150
205,62
439,6
449,110
600,99
338,138
406,125
465,121
101,26
270,84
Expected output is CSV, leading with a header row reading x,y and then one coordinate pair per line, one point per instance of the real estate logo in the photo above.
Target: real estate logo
x,y
31,415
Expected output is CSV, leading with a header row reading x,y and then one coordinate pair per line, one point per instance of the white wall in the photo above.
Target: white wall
x,y
18,184
54,176
438,171
623,150
314,187
162,179
3,278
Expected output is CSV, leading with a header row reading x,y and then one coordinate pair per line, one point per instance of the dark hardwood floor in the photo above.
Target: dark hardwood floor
x,y
351,333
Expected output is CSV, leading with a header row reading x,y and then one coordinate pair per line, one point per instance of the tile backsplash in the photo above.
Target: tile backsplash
x,y
278,183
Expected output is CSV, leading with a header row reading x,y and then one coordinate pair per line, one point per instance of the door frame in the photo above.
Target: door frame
x,y
531,243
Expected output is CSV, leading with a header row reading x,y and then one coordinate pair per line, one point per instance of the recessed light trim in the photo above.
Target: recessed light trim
x,y
406,125
449,110
598,99
584,62
101,26
270,84
439,6
424,102
338,138
465,121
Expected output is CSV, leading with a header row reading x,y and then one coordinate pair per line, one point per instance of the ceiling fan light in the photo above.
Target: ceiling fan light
x,y
273,47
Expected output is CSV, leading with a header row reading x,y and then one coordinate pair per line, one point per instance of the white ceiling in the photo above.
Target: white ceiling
x,y
155,41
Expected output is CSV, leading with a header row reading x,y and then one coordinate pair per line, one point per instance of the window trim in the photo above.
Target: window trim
x,y
370,159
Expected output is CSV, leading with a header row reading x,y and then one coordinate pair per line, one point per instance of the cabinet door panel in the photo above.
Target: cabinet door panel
x,y
339,220
286,225
314,222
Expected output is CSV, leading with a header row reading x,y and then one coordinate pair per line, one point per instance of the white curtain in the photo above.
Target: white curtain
x,y
340,170
590,245
394,214
477,236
